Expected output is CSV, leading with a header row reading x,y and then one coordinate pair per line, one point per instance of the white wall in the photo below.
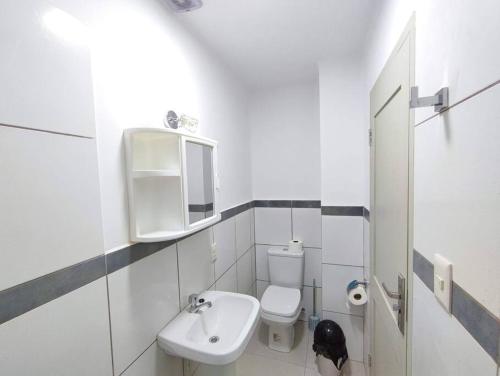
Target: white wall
x,y
456,159
49,192
145,64
285,143
45,67
344,127
344,182
123,63
274,227
453,45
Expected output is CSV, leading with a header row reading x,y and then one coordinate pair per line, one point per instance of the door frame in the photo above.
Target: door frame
x,y
408,33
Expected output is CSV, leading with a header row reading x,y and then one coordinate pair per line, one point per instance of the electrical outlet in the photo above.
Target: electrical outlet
x,y
213,252
443,281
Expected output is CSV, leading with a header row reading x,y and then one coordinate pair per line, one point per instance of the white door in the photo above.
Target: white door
x,y
391,180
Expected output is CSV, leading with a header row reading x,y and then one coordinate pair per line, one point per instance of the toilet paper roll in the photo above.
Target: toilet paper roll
x,y
357,296
295,245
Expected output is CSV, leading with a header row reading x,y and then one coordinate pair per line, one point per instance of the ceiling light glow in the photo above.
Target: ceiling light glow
x,y
65,26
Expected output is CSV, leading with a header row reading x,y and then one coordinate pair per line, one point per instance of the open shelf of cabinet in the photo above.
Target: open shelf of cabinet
x,y
157,184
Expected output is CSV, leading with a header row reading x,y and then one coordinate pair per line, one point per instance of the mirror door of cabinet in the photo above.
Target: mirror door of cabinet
x,y
200,181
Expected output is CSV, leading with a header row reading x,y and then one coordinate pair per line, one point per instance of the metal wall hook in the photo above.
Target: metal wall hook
x,y
439,100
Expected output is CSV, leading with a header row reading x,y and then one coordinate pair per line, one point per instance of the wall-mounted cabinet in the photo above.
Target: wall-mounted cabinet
x,y
171,183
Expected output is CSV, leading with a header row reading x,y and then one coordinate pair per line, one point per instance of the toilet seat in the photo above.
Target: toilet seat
x,y
283,302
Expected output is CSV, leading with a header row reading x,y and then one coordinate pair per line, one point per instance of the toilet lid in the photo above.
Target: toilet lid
x,y
280,301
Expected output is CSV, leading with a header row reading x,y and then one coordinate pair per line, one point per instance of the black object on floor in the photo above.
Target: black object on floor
x,y
329,341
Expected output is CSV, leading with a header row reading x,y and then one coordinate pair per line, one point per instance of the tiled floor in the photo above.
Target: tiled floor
x,y
260,360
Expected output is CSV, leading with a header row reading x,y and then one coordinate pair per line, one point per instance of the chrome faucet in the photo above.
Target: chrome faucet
x,y
195,304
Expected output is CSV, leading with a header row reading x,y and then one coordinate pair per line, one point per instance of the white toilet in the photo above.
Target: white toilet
x,y
281,302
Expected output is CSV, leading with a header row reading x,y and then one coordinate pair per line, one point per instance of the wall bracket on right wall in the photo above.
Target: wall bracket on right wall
x,y
440,100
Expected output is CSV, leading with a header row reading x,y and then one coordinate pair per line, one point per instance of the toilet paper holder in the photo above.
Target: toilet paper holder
x,y
354,283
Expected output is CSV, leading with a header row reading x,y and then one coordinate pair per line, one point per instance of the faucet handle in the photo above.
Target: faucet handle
x,y
193,298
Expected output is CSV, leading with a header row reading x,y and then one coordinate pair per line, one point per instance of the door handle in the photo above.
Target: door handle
x,y
391,294
399,307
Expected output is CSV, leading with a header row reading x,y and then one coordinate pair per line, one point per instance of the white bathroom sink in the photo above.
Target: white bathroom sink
x,y
217,335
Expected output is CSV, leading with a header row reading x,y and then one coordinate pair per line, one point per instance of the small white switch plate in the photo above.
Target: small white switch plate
x,y
443,281
213,252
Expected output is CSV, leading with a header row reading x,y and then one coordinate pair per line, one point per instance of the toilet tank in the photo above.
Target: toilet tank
x,y
286,268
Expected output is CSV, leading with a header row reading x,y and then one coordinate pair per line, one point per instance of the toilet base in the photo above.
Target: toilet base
x,y
281,338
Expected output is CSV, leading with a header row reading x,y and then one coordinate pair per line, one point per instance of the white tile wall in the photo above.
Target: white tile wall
x,y
254,263
261,287
244,231
335,281
307,226
329,240
342,240
466,157
366,271
143,298
366,247
196,270
244,268
225,240
49,191
262,265
33,95
273,226
307,302
252,225
441,345
352,326
312,266
228,282
196,273
69,333
155,362
253,290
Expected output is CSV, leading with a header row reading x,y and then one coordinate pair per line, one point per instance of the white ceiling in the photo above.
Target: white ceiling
x,y
272,42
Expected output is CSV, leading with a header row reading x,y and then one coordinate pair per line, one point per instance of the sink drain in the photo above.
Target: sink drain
x,y
213,339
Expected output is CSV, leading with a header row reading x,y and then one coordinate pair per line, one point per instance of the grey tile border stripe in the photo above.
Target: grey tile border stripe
x,y
26,296
231,212
29,295
306,204
480,323
19,299
355,211
424,269
201,208
273,203
135,252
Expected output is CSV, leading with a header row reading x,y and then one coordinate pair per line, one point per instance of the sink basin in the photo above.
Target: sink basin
x,y
217,335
